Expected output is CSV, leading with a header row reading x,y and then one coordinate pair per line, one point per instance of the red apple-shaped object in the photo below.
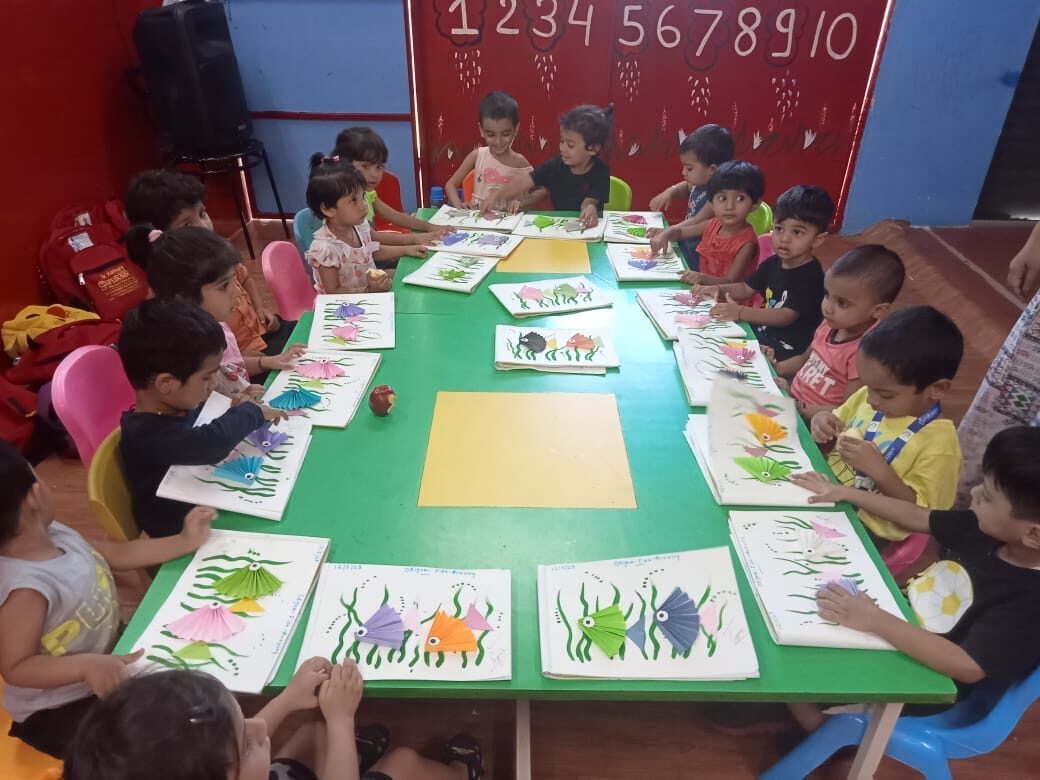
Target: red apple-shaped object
x,y
381,400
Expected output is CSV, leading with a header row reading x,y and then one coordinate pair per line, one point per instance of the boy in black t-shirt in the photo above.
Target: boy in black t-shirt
x,y
791,281
979,606
577,180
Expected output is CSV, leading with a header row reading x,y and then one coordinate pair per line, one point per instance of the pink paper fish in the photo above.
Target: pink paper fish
x,y
581,288
698,320
686,299
739,355
475,621
825,530
346,332
635,219
531,293
756,452
211,623
320,369
710,616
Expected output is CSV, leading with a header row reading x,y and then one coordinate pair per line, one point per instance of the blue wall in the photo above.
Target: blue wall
x,y
947,76
322,57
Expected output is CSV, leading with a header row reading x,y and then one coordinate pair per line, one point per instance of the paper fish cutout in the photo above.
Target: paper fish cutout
x,y
605,629
249,582
531,293
320,369
247,607
294,398
542,222
825,530
196,651
349,311
453,238
635,219
532,341
244,471
565,291
475,620
756,452
451,274
733,373
739,355
582,289
698,320
574,226
211,623
764,470
384,629
845,582
641,253
412,620
468,261
581,341
347,332
636,632
491,239
449,635
636,232
266,438
678,620
686,299
766,429
642,265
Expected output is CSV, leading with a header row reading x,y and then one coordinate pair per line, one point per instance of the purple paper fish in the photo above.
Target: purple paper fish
x,y
349,311
490,239
643,265
454,238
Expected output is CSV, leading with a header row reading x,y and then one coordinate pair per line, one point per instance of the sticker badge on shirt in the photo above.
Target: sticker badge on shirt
x,y
941,595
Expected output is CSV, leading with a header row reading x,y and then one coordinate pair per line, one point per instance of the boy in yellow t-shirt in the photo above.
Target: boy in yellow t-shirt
x,y
891,436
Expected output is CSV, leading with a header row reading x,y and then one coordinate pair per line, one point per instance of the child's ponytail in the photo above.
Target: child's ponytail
x,y
139,242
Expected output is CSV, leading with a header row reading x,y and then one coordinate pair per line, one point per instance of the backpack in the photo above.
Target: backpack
x,y
111,214
17,414
87,267
46,351
31,321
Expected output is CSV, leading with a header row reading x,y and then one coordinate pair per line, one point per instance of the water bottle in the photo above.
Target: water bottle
x,y
437,197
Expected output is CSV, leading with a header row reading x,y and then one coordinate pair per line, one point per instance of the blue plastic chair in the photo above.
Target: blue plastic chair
x,y
304,225
972,727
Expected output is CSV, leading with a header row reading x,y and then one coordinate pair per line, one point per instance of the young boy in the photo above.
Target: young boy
x,y
171,352
791,281
860,288
891,436
994,633
59,615
168,199
701,153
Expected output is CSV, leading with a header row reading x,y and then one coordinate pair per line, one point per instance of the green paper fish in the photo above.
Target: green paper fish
x,y
565,290
764,469
605,629
542,222
249,582
196,651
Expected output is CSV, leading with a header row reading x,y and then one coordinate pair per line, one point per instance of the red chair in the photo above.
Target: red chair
x,y
90,392
899,555
292,290
467,186
389,191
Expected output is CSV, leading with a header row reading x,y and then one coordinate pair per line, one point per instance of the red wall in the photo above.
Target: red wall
x,y
74,131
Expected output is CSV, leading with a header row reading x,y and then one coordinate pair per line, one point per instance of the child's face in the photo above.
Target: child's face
x,y
994,512
193,216
194,390
732,207
254,745
849,303
892,399
573,151
373,172
220,297
694,172
351,209
498,134
794,239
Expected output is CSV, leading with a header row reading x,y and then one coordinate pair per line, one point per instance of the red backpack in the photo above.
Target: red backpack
x,y
86,266
111,214
38,363
17,414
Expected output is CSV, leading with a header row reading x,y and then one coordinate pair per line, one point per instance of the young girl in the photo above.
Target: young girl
x,y
577,180
343,253
729,246
194,727
59,614
199,266
495,164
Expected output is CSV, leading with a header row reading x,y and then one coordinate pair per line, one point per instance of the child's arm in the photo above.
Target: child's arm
x,y
22,619
589,214
205,444
300,694
934,651
339,697
256,295
906,514
731,309
142,552
739,291
454,184
788,368
660,201
866,458
257,364
400,218
517,186
404,250
808,412
410,240
329,276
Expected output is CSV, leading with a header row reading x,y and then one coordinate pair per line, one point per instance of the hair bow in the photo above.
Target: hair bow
x,y
153,236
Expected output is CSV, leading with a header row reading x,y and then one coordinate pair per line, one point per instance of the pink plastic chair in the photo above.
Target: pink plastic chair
x,y
765,247
900,555
292,290
89,392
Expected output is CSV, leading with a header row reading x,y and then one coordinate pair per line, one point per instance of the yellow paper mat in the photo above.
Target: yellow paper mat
x,y
547,255
527,450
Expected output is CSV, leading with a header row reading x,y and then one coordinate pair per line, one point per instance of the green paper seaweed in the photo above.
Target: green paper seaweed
x,y
605,628
249,582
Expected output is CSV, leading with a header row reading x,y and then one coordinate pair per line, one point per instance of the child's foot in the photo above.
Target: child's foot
x,y
372,742
465,750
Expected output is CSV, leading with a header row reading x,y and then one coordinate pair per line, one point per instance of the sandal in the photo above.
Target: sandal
x,y
464,749
372,742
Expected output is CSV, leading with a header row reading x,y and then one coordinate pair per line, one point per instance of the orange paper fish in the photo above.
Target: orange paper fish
x,y
450,635
581,341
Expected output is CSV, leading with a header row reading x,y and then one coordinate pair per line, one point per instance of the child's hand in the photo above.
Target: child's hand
x,y
287,359
825,427
769,354
103,673
416,250
660,240
823,490
513,206
839,606
272,415
302,691
694,279
861,455
781,383
251,393
340,695
727,310
660,201
267,317
437,234
705,290
589,218
197,525
383,284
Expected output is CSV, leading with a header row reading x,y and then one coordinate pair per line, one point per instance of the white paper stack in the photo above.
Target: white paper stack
x,y
451,271
632,263
566,228
486,243
630,227
339,378
555,350
675,310
702,359
475,219
353,321
550,296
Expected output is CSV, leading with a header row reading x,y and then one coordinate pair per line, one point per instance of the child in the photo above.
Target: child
x,y
199,266
59,615
577,180
729,247
343,253
891,436
192,724
791,281
171,350
860,288
994,633
168,199
365,150
701,153
495,164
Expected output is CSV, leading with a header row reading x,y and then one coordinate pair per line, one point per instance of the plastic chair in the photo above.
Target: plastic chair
x,y
620,195
765,247
292,290
304,224
761,218
107,494
389,191
89,392
900,555
18,760
972,727
467,186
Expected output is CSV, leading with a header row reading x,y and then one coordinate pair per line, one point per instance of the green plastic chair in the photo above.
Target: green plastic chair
x,y
761,218
620,195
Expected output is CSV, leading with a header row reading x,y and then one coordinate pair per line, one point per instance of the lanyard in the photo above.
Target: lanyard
x,y
866,483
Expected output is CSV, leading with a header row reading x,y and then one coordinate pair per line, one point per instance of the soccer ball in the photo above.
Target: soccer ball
x,y
941,595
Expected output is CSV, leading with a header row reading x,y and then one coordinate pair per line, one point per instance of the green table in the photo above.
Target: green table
x,y
360,487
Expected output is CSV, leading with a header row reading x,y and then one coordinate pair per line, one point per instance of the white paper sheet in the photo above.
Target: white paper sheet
x,y
486,243
675,310
353,321
475,219
567,228
555,350
702,359
451,271
630,226
550,296
320,372
632,263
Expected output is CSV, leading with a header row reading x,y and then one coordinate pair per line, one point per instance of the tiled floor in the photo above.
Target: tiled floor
x,y
582,741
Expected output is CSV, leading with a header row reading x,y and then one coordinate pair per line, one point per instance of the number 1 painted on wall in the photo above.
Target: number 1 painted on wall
x,y
465,29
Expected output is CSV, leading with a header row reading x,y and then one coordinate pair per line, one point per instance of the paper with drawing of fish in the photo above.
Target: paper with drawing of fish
x,y
550,296
638,263
630,227
570,228
475,219
554,350
477,242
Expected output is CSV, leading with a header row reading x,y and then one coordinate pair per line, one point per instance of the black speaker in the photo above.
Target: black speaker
x,y
192,76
